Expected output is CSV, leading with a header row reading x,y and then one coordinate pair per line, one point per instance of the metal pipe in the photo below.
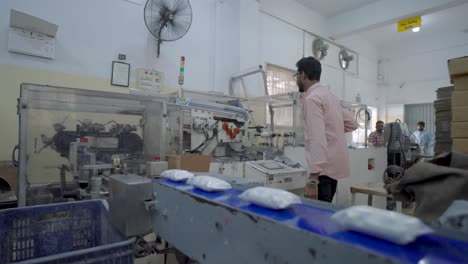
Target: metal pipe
x,y
247,101
281,105
95,187
272,113
365,130
272,122
63,170
242,75
265,86
303,43
22,171
247,72
295,108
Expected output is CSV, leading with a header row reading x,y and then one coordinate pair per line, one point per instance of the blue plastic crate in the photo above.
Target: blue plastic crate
x,y
62,233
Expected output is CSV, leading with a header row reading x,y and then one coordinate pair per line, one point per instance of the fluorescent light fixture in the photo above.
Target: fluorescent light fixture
x,y
416,29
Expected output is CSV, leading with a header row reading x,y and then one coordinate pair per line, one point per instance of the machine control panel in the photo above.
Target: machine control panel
x,y
149,80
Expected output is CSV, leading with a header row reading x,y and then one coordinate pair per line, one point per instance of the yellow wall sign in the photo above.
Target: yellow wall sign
x,y
409,24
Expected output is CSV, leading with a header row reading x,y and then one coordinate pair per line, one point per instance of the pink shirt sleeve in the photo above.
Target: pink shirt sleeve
x,y
315,140
350,123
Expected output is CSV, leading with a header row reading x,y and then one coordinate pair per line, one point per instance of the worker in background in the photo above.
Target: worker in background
x,y
325,124
376,138
423,138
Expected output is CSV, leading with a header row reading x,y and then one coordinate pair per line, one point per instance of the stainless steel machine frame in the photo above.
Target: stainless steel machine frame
x,y
292,99
278,101
49,98
249,72
186,124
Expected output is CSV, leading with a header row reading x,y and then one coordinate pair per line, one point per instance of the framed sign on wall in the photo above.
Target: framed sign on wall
x,y
120,74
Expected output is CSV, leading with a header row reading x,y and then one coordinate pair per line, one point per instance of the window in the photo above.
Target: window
x,y
414,113
280,81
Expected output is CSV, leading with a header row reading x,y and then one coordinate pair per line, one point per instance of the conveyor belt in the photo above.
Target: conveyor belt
x,y
431,248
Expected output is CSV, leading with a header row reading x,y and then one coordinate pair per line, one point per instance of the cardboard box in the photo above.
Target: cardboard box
x,y
460,129
460,98
155,168
444,92
444,115
460,113
458,67
443,105
442,126
192,163
461,83
460,145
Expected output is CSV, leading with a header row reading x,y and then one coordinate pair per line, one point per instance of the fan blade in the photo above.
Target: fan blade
x,y
156,28
186,21
154,6
181,5
151,24
181,26
166,33
176,32
183,20
183,15
174,4
151,12
149,17
173,31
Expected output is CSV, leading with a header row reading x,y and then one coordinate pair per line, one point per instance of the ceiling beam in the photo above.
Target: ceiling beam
x,y
382,13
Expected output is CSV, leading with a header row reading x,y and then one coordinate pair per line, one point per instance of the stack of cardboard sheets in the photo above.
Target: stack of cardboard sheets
x,y
443,122
458,70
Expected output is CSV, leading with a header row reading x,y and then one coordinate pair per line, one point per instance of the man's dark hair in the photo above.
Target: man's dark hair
x,y
379,122
311,67
421,123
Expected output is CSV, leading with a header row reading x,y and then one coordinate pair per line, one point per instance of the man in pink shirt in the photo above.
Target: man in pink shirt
x,y
325,124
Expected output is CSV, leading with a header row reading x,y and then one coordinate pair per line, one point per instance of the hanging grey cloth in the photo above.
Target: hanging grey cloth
x,y
433,185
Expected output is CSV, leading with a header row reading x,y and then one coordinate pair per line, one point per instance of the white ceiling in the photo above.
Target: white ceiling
x,y
329,8
451,20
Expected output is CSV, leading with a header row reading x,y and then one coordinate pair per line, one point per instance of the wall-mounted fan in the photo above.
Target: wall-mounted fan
x,y
344,59
168,20
319,49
